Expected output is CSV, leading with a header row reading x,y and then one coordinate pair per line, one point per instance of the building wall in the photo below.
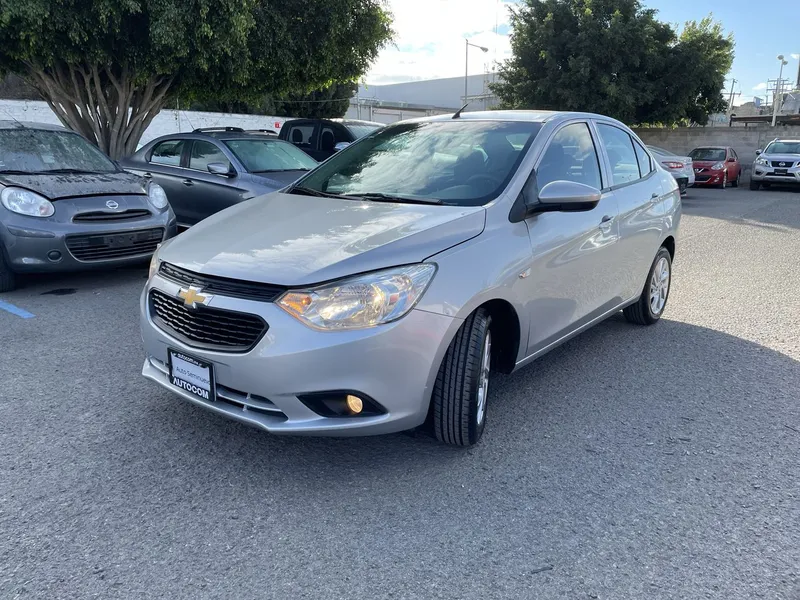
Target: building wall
x,y
447,92
167,121
744,140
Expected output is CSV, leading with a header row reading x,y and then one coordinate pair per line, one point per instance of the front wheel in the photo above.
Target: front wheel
x,y
754,186
460,394
651,304
724,183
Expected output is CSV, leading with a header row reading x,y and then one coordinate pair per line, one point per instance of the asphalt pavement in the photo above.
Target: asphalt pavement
x,y
632,462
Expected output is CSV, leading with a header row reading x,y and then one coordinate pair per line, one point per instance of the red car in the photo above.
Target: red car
x,y
716,165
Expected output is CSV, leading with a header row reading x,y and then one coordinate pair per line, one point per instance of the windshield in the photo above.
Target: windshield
x,y
783,148
265,156
708,154
40,151
466,163
360,131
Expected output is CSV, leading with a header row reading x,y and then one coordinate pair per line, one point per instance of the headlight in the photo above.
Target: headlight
x,y
718,166
359,302
762,161
25,202
157,196
154,263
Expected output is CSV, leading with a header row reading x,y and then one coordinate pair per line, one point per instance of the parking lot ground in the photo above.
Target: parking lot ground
x,y
632,462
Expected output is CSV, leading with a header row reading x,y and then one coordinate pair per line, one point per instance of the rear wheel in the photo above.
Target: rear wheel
x,y
651,304
8,280
460,395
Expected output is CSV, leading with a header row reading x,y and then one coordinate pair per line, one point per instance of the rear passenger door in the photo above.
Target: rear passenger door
x,y
165,162
574,266
209,193
638,191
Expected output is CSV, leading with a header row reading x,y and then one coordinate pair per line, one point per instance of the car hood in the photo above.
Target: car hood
x,y
55,187
294,240
278,179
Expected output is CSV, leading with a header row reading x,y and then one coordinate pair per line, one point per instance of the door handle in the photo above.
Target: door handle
x,y
188,182
654,195
605,222
147,175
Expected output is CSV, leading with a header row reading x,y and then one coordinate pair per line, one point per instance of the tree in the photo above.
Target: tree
x,y
107,67
613,57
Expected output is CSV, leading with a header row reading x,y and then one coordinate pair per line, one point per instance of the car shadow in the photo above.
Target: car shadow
x,y
94,279
606,397
773,209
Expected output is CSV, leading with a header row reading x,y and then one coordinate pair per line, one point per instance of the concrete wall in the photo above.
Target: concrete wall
x,y
167,121
744,140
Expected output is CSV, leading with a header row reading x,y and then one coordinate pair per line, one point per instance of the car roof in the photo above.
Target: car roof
x,y
786,140
9,124
344,122
535,116
221,135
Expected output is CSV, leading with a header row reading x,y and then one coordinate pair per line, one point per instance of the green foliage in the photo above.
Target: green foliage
x,y
613,57
93,60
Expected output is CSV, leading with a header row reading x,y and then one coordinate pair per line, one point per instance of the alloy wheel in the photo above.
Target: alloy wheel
x,y
483,381
659,286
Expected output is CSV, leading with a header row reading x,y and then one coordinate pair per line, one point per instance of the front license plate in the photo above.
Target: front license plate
x,y
781,171
191,375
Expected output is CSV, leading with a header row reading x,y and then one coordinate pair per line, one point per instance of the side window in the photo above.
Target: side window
x,y
204,153
168,153
619,147
301,135
645,164
327,139
733,153
571,156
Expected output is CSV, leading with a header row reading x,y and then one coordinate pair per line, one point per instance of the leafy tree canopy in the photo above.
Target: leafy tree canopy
x,y
107,67
614,57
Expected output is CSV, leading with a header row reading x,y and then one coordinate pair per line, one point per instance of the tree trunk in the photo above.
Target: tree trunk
x,y
104,104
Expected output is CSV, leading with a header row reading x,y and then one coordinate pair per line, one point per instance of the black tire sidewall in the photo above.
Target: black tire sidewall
x,y
663,252
475,428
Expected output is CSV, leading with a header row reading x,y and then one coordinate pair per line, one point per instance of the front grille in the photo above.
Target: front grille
x,y
109,246
233,288
111,217
702,178
205,327
782,164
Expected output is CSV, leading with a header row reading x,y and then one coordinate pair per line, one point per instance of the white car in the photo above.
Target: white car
x,y
679,166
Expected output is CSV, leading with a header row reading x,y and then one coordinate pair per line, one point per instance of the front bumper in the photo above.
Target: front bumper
x,y
768,174
394,364
34,245
707,177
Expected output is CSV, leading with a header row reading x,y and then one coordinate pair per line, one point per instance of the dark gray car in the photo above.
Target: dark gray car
x,y
64,205
208,170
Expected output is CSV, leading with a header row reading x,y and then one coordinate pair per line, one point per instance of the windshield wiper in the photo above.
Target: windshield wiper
x,y
381,197
72,172
17,172
304,191
280,170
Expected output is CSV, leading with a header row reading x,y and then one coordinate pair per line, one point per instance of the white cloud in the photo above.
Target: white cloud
x,y
796,56
429,40
760,86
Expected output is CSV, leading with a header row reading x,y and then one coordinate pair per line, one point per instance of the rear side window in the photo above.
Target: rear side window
x,y
619,148
204,153
570,156
301,135
168,153
645,164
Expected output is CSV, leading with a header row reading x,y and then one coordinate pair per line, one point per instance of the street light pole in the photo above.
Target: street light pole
x,y
466,64
778,91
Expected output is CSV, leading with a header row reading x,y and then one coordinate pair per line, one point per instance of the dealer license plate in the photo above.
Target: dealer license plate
x,y
191,375
781,171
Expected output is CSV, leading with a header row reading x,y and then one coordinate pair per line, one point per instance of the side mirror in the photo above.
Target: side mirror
x,y
219,169
566,196
758,152
731,159
340,146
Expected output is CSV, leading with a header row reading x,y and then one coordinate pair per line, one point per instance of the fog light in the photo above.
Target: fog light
x,y
54,255
355,404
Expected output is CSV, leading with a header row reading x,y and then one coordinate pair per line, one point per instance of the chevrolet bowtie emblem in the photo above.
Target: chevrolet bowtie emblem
x,y
192,297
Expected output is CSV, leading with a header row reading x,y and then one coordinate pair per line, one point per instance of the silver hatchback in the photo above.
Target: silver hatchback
x,y
382,290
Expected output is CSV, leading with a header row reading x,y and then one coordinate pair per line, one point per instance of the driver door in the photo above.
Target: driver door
x,y
574,266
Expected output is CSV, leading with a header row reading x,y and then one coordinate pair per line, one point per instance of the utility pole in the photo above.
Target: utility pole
x,y
778,98
730,100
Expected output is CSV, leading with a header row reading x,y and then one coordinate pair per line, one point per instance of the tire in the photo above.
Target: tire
x,y
8,280
646,310
459,398
754,186
735,182
766,186
724,183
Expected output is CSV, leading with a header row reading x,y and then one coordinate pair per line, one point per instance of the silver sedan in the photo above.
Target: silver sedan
x,y
383,289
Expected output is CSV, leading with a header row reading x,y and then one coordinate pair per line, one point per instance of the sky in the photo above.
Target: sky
x,y
430,38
